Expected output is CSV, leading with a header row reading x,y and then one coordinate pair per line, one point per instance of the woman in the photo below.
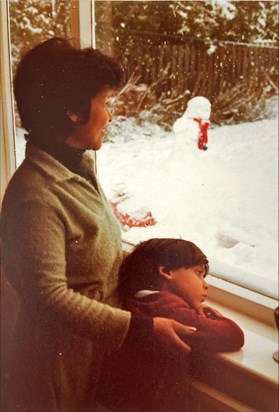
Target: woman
x,y
61,242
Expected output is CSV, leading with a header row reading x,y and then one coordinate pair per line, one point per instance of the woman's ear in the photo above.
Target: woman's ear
x,y
72,116
164,272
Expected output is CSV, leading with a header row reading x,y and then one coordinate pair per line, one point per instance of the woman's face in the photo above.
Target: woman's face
x,y
90,135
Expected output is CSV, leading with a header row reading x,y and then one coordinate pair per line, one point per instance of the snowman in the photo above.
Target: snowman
x,y
193,125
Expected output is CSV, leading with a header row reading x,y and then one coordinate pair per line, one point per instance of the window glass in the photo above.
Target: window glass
x,y
192,151
33,21
157,177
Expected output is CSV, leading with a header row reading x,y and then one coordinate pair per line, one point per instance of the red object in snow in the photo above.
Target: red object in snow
x,y
203,136
146,220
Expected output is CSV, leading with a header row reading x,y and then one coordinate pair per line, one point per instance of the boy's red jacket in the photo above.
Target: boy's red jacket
x,y
214,333
141,378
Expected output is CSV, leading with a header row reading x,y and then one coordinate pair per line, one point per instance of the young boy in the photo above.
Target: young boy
x,y
164,277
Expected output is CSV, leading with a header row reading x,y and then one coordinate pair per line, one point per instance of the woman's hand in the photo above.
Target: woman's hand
x,y
168,333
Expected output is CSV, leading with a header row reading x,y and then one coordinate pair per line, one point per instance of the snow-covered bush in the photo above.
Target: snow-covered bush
x,y
34,21
143,103
245,103
124,129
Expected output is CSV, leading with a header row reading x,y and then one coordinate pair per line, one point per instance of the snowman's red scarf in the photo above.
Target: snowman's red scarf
x,y
203,136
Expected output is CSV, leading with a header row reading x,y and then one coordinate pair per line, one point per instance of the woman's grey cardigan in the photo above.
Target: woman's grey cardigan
x,y
61,251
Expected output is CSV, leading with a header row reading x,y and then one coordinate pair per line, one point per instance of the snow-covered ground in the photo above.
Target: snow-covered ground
x,y
223,199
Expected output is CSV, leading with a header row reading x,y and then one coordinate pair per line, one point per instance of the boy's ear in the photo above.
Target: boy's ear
x,y
164,272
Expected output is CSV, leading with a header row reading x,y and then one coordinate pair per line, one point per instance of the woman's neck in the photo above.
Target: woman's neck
x,y
69,156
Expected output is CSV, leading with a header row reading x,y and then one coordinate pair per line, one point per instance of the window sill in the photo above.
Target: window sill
x,y
261,341
249,375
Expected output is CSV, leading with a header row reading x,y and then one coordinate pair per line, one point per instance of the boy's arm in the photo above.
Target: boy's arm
x,y
209,312
215,333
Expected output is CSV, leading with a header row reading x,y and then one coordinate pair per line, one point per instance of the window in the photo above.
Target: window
x,y
31,22
6,112
158,181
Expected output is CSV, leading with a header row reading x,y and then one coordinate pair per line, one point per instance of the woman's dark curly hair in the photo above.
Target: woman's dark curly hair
x,y
55,78
139,270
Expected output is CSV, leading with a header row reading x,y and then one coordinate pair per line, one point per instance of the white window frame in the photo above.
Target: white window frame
x,y
83,22
7,123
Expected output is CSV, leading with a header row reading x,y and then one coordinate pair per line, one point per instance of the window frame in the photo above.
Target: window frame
x,y
8,158
83,22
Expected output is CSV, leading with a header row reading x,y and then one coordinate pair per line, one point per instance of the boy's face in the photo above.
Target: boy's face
x,y
189,284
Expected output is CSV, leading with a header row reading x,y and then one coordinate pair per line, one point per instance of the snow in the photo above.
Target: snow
x,y
223,199
228,9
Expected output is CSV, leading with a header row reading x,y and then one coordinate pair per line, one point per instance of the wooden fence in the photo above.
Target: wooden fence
x,y
175,68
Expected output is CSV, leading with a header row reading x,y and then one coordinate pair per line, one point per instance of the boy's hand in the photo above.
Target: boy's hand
x,y
208,312
167,333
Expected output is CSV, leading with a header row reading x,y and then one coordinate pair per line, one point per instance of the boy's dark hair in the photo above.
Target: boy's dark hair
x,y
55,78
139,269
